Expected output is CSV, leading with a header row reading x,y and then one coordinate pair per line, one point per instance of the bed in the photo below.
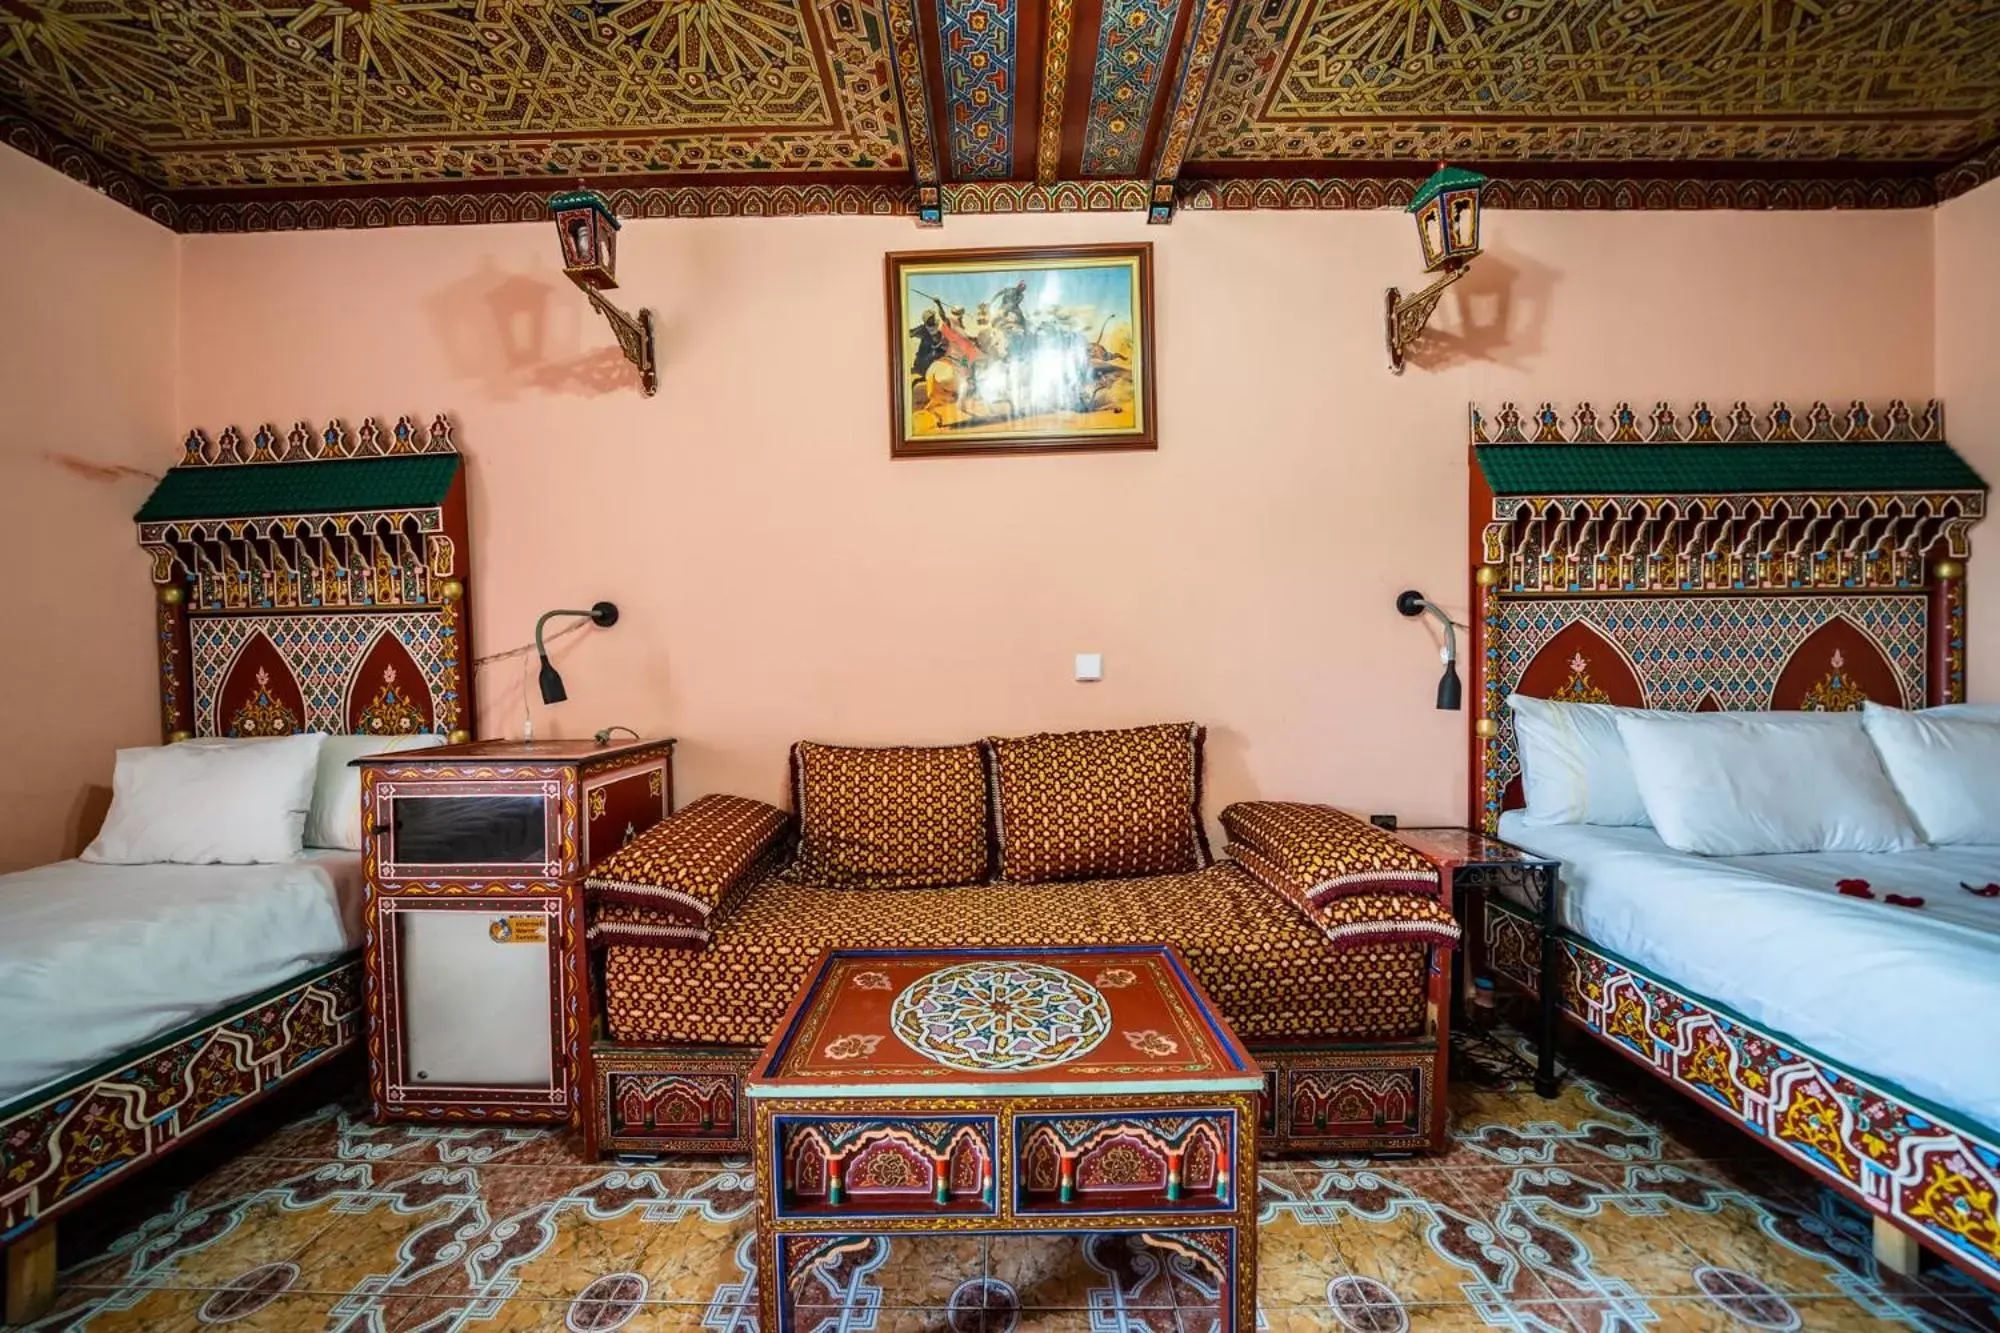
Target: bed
x,y
1702,561
312,581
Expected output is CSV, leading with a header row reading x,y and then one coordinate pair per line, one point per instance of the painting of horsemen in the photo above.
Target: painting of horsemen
x,y
1021,350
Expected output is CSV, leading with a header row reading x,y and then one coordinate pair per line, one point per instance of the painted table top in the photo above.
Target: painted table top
x,y
1018,1022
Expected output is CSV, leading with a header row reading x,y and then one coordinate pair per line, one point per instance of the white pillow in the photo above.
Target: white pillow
x,y
1742,784
205,805
335,820
1574,769
1946,766
1983,712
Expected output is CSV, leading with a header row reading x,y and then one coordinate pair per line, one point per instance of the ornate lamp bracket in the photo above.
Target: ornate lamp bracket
x,y
1409,314
635,337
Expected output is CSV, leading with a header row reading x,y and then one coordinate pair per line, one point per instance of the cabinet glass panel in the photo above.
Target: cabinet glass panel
x,y
469,830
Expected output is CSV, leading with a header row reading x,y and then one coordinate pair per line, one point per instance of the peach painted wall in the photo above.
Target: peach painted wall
x,y
88,293
1968,379
782,577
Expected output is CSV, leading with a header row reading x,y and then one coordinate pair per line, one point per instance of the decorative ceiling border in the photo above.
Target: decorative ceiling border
x,y
1582,193
420,206
1970,174
80,164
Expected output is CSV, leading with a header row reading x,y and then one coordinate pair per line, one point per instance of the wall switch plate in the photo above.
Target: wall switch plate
x,y
1383,821
1090,666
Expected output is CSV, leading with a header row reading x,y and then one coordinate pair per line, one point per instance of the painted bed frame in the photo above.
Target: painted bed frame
x,y
310,582
1677,561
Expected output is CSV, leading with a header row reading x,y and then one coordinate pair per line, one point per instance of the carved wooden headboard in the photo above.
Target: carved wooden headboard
x,y
1701,561
314,582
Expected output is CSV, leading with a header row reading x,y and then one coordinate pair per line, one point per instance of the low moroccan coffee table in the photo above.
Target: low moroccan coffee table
x,y
1005,1090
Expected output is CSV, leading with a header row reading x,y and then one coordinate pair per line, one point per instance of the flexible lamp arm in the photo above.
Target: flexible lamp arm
x,y
1450,691
604,614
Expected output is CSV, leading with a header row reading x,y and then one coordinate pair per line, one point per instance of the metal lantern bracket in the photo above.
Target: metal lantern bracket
x,y
588,230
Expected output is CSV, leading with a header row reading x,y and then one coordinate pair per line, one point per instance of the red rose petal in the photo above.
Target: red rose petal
x,y
1855,888
1902,900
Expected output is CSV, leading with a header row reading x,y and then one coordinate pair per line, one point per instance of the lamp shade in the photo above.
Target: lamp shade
x,y
589,232
1446,207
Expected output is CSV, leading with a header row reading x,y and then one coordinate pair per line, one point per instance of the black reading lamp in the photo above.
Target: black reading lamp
x,y
604,614
1449,690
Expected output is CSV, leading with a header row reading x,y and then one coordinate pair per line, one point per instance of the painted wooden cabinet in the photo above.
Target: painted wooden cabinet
x,y
479,1002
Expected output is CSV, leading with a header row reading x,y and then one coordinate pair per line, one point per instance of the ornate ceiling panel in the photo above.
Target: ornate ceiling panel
x,y
237,114
1655,81
323,94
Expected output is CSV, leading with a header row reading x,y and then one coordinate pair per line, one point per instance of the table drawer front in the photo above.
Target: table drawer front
x,y
1346,1106
884,1166
1126,1161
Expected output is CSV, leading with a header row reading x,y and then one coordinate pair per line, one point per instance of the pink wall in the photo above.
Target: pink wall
x,y
781,577
1968,379
88,291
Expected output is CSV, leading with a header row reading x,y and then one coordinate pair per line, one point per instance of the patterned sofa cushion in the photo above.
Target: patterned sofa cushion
x,y
662,887
1315,853
1270,971
1085,804
904,817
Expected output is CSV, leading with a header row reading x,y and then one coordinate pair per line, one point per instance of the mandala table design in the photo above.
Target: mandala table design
x,y
1005,1090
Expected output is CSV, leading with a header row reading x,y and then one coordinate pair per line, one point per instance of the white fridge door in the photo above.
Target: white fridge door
x,y
475,1009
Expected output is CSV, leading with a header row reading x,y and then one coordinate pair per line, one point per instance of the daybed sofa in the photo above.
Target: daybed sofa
x,y
1321,938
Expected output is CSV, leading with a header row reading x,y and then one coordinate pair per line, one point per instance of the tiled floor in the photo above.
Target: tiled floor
x,y
1611,1207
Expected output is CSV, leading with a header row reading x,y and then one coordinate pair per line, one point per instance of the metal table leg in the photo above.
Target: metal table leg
x,y
1549,989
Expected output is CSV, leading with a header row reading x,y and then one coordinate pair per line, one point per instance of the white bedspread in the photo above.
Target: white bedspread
x,y
96,959
1906,995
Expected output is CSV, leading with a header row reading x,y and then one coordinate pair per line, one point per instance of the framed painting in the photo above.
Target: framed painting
x,y
1015,351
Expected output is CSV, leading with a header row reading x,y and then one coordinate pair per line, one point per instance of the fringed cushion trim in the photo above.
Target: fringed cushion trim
x,y
1322,853
646,935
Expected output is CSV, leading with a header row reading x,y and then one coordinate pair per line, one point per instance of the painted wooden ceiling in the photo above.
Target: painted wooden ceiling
x,y
358,112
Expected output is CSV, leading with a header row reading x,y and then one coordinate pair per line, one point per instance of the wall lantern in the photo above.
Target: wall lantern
x,y
589,232
1447,212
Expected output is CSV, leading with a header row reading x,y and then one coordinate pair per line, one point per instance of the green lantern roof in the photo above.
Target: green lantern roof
x,y
1681,469
330,486
1444,178
570,199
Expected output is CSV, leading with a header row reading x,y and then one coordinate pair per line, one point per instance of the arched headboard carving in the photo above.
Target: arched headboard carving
x,y
313,582
1694,560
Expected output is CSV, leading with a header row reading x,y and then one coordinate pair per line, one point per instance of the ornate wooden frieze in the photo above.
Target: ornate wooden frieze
x,y
1696,500
1894,1156
1740,425
312,546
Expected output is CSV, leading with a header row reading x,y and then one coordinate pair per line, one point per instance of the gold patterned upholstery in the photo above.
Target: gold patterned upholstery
x,y
1272,972
661,888
1315,853
1083,804
902,817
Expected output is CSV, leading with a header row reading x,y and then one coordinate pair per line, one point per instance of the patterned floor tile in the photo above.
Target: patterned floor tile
x,y
1612,1208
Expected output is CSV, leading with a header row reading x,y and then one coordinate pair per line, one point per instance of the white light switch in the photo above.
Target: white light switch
x,y
1090,666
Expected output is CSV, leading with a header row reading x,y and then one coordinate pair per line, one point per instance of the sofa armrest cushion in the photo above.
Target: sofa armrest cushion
x,y
1321,853
1356,919
674,875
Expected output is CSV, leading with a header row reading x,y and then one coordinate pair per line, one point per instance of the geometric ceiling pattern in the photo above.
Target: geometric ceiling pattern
x,y
367,112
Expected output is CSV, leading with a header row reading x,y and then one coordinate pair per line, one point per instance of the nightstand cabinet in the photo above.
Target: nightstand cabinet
x,y
477,972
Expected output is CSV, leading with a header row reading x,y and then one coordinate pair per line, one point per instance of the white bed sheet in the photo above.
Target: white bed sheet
x,y
1906,995
97,959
